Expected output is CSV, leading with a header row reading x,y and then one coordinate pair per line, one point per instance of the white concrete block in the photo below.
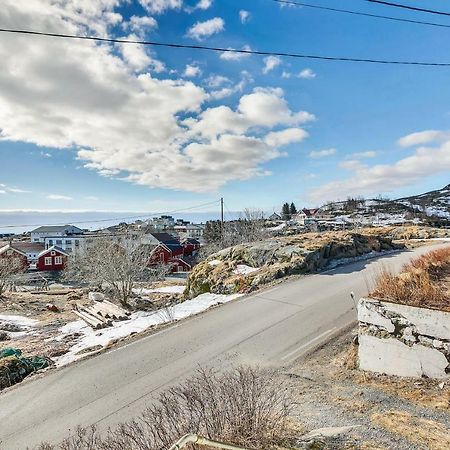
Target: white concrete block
x,y
392,357
367,313
429,322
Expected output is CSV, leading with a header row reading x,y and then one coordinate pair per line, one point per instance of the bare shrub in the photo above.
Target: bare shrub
x,y
420,283
250,227
9,268
246,406
116,266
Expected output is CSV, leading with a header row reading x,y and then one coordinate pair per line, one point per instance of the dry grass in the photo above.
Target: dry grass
x,y
419,431
423,282
246,406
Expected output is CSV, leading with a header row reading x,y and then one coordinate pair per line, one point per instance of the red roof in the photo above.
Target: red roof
x,y
310,212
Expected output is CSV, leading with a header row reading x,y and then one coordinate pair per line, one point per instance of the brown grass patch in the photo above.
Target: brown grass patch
x,y
423,282
433,435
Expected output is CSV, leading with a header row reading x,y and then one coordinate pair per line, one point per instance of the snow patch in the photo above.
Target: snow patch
x,y
214,262
242,269
163,290
138,322
20,321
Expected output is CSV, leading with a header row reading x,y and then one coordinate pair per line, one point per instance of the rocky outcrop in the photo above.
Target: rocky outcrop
x,y
411,232
225,272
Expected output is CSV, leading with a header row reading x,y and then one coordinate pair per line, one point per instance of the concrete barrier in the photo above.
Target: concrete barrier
x,y
403,340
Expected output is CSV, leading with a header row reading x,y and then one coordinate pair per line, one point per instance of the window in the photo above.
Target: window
x,y
58,241
58,259
50,242
48,261
53,253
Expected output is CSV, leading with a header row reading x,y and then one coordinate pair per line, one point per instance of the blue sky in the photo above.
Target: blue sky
x,y
96,127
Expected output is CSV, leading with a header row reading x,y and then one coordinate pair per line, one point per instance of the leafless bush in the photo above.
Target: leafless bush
x,y
420,283
115,265
9,268
246,406
250,227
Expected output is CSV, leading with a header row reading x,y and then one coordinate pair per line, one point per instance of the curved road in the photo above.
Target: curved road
x,y
271,328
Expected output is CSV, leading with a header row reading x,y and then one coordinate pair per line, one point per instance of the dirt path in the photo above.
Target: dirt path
x,y
389,413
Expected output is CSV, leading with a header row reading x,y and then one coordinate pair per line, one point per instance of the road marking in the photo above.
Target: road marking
x,y
308,343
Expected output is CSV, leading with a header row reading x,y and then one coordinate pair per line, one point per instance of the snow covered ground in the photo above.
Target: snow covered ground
x,y
25,324
21,321
138,322
163,290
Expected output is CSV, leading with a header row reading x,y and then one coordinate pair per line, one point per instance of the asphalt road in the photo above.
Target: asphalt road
x,y
271,328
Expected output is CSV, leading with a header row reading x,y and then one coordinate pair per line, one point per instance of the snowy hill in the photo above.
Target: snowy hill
x,y
433,204
430,208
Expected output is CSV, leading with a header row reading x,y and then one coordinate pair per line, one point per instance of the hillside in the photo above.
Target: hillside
x,y
431,208
433,204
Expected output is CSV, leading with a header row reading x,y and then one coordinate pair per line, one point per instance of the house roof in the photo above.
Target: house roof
x,y
187,260
53,248
310,212
191,241
53,228
10,247
29,246
168,240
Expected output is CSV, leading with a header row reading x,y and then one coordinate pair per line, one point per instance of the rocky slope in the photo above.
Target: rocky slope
x,y
245,267
405,233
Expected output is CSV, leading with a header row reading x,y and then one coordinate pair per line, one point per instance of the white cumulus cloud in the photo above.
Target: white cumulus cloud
x,y
202,30
270,62
192,70
204,4
307,74
160,6
423,137
88,99
235,56
371,180
244,16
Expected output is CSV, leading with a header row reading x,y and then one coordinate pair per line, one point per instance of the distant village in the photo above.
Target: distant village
x,y
47,248
177,242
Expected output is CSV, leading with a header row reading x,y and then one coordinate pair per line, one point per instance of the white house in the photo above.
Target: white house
x,y
189,230
41,233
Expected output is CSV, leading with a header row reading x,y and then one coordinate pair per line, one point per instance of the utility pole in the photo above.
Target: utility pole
x,y
221,221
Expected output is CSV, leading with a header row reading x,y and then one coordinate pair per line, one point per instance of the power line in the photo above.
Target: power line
x,y
215,202
227,50
413,8
360,13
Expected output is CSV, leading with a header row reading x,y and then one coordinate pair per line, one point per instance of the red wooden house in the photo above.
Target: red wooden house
x,y
53,259
169,251
191,246
182,264
11,253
